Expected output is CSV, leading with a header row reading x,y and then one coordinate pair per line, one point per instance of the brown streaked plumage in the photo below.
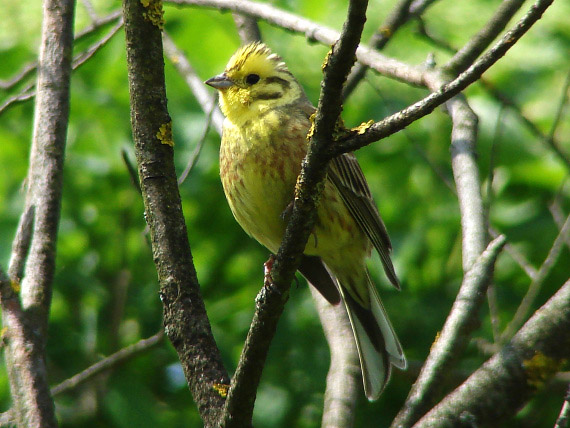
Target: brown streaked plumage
x,y
263,144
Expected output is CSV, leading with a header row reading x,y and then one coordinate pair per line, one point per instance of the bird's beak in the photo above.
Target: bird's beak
x,y
221,81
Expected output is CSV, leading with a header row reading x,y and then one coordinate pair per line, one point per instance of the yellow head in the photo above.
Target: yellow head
x,y
254,81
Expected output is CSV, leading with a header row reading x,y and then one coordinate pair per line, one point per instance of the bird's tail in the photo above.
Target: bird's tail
x,y
377,343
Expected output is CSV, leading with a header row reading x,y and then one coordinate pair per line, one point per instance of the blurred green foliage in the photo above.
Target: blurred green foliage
x,y
105,290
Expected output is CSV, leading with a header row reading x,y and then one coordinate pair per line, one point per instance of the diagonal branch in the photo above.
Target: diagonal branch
x,y
403,118
479,42
506,382
271,299
536,284
462,320
368,56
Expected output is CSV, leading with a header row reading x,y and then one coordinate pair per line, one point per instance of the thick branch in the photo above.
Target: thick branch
x,y
185,319
513,375
462,320
272,298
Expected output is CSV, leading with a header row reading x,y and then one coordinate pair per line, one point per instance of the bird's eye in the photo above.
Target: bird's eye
x,y
252,79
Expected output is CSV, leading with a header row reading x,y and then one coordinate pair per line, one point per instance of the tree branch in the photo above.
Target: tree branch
x,y
185,318
271,299
196,85
536,284
281,18
454,336
479,42
26,320
398,17
513,375
108,363
343,379
29,90
403,118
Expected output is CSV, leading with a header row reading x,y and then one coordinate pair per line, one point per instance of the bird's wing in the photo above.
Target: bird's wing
x,y
346,174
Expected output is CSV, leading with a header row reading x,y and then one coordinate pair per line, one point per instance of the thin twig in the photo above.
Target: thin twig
x,y
29,91
132,170
196,152
109,363
537,282
31,67
21,245
458,326
559,108
247,28
529,124
479,42
403,118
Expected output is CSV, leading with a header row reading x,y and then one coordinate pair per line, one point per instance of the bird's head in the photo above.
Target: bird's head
x,y
255,80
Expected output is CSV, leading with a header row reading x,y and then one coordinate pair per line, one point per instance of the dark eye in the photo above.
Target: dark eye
x,y
252,79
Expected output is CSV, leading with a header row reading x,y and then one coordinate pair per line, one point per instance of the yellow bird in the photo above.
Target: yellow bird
x,y
263,143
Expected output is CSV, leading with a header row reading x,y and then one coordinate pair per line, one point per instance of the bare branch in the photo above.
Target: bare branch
x,y
109,363
196,85
271,300
513,375
461,321
536,284
247,27
199,144
21,245
478,43
517,256
343,379
185,319
398,17
281,18
403,118
29,91
26,321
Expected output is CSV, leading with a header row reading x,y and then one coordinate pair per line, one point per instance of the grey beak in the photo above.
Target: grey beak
x,y
221,81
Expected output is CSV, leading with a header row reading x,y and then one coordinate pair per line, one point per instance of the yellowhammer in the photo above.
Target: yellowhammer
x,y
263,143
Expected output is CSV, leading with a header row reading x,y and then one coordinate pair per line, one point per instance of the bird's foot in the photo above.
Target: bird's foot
x,y
267,266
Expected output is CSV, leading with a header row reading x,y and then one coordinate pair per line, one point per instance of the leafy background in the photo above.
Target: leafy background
x,y
105,294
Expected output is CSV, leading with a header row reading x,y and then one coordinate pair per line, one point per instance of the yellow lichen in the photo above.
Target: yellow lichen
x,y
15,286
222,389
541,368
164,134
363,127
154,13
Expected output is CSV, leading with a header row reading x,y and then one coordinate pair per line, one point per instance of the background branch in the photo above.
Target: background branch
x,y
510,377
26,321
454,336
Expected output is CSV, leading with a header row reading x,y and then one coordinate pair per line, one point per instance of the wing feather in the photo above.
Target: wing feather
x,y
346,174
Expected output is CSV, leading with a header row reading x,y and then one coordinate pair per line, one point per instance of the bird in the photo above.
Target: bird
x,y
264,140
